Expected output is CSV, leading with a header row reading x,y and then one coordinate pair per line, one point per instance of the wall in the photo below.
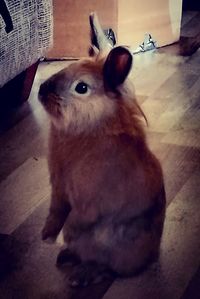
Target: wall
x,y
130,19
161,18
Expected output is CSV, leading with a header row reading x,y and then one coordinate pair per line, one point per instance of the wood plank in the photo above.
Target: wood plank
x,y
177,113
195,91
187,16
145,74
28,135
21,192
192,27
175,84
34,273
178,162
190,119
180,252
188,138
11,117
154,110
193,289
23,141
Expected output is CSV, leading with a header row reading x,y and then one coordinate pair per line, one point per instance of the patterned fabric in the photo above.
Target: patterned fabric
x,y
30,38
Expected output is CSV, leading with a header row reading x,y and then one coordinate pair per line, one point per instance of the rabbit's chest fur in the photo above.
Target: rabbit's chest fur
x,y
103,175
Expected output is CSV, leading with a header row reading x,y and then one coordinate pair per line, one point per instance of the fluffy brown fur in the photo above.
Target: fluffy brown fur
x,y
107,187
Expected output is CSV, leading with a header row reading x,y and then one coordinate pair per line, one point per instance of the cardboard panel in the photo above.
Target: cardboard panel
x,y
71,25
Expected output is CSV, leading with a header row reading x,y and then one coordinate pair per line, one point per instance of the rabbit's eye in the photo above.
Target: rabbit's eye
x,y
81,88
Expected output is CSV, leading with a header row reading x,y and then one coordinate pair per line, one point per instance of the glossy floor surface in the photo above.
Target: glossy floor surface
x,y
168,90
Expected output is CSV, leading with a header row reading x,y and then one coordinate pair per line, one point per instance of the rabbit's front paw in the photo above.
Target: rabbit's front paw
x,y
52,228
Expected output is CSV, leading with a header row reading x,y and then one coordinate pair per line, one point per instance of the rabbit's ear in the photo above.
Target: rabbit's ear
x,y
117,67
98,39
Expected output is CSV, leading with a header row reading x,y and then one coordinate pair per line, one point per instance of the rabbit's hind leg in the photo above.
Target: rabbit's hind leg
x,y
89,273
68,257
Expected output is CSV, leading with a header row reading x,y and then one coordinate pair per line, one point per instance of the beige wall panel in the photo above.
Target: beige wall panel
x,y
161,18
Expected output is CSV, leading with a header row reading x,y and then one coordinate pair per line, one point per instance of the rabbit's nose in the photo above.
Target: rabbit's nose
x,y
47,87
44,89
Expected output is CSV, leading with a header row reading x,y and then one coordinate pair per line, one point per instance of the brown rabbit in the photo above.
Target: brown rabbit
x,y
107,187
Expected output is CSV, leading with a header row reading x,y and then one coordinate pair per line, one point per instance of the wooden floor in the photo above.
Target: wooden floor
x,y
168,89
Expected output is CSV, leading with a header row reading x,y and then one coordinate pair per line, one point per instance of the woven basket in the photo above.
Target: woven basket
x,y
30,38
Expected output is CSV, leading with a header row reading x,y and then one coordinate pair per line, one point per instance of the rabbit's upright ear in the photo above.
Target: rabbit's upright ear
x,y
117,67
